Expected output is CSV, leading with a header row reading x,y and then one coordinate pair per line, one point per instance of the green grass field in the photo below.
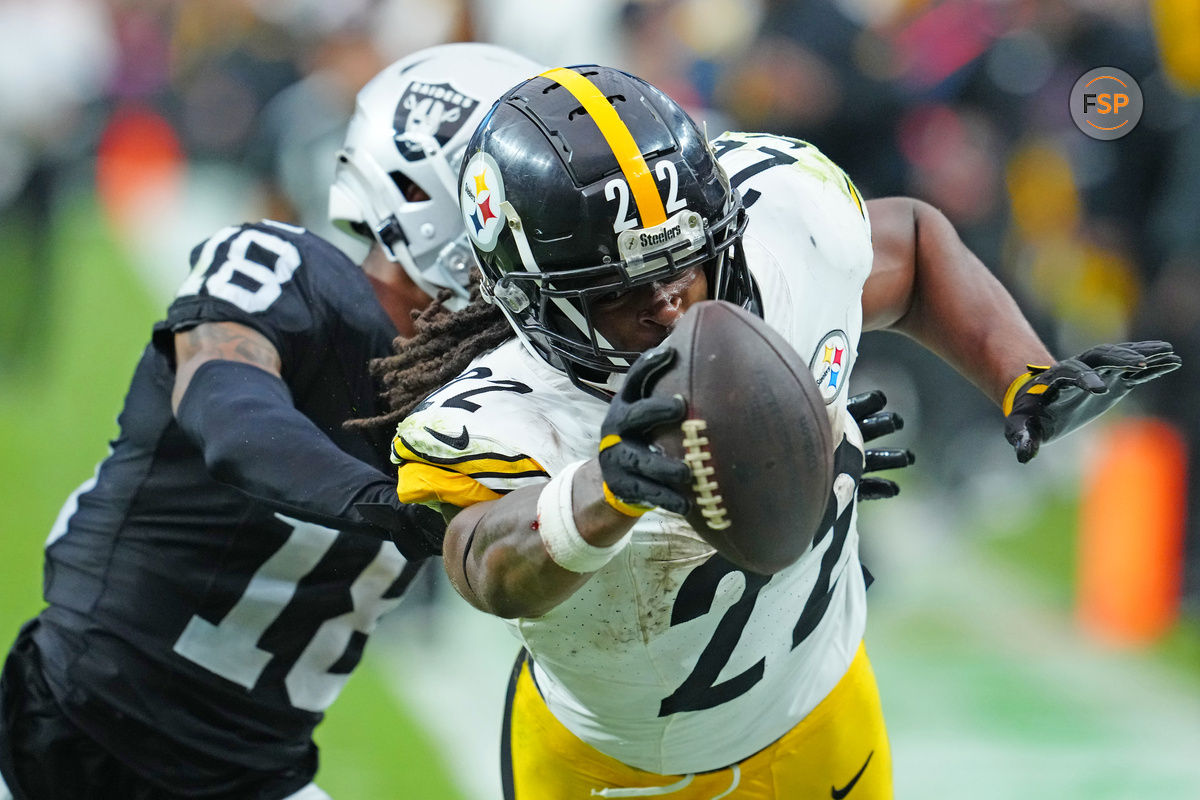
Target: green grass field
x,y
58,409
1042,547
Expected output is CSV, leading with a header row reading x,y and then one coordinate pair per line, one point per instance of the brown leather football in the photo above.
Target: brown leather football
x,y
757,436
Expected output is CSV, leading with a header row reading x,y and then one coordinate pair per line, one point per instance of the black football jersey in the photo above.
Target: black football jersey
x,y
197,632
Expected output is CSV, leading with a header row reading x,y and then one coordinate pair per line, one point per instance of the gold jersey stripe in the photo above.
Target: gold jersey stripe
x,y
422,483
620,141
855,196
494,466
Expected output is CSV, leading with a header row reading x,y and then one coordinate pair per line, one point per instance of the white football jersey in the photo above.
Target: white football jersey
x,y
670,658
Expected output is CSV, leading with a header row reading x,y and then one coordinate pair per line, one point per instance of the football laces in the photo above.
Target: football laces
x,y
696,456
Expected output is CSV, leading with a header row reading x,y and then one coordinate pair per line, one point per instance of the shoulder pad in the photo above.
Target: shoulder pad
x,y
749,155
454,448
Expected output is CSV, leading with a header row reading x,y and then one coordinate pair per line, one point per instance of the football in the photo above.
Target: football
x,y
757,436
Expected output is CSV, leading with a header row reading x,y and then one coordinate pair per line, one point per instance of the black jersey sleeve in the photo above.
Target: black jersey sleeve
x,y
244,422
280,441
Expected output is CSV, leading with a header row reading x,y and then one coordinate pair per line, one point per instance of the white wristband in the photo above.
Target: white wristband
x,y
556,524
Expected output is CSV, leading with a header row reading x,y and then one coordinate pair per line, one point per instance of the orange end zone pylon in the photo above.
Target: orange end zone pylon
x,y
139,167
1131,532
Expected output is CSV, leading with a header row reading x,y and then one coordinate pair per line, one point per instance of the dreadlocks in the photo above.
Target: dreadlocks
x,y
444,343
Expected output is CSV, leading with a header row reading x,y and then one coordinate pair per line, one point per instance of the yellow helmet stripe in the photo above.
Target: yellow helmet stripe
x,y
620,140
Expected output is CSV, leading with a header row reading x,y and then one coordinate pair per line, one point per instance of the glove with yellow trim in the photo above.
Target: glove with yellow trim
x,y
637,475
1047,403
873,422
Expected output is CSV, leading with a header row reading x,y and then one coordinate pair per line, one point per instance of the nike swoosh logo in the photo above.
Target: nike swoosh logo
x,y
457,442
838,794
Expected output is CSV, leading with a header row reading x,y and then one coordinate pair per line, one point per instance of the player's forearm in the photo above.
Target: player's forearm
x,y
253,438
960,311
496,552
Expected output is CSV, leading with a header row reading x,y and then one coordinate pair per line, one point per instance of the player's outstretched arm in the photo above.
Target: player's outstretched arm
x,y
927,284
231,401
498,554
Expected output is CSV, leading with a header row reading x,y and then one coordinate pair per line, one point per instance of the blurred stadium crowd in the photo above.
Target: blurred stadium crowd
x,y
961,103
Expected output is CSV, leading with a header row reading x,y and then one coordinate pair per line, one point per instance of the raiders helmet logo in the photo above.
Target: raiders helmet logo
x,y
429,110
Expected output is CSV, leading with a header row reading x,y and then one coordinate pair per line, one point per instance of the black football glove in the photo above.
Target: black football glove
x,y
637,475
1047,403
416,530
873,422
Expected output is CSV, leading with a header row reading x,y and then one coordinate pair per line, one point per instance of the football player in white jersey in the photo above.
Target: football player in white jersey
x,y
652,665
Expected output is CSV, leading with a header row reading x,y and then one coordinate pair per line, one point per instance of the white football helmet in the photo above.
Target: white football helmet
x,y
396,178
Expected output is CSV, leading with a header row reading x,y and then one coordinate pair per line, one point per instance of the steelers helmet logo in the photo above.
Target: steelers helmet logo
x,y
480,197
830,365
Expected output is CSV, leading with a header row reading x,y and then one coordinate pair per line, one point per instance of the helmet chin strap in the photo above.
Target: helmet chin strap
x,y
614,382
432,149
518,233
577,319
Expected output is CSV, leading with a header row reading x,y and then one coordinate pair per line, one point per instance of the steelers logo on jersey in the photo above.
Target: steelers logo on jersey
x,y
830,365
480,197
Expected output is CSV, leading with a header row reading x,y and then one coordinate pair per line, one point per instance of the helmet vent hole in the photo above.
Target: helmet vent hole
x,y
613,99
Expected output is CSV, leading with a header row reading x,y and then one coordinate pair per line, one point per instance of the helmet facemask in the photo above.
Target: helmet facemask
x,y
555,310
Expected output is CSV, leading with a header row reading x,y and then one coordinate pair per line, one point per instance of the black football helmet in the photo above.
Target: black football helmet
x,y
587,181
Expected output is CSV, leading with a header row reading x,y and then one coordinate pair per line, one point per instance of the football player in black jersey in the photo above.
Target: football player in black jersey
x,y
210,589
